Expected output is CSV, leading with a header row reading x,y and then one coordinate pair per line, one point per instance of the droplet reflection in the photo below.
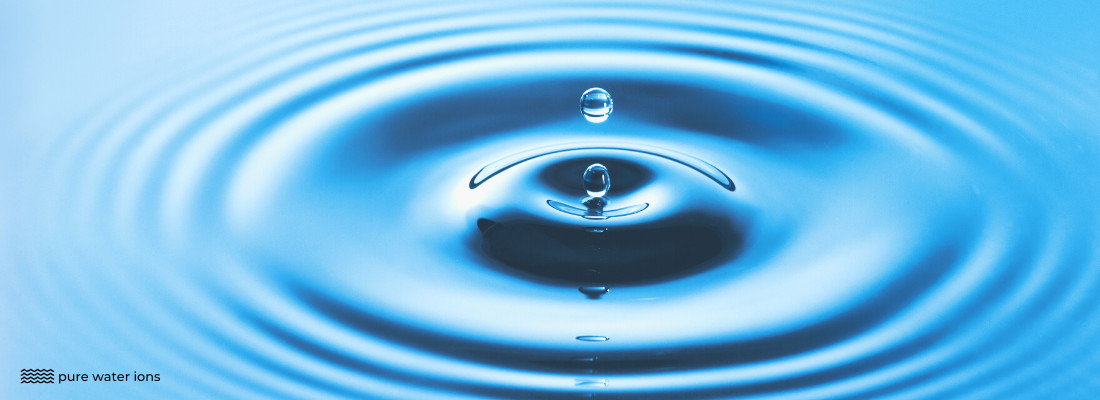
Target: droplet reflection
x,y
593,338
594,292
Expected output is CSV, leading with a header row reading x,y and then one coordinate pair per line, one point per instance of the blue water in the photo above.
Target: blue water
x,y
341,199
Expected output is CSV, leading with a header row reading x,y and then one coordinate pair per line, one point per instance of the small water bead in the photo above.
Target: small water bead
x,y
596,180
596,105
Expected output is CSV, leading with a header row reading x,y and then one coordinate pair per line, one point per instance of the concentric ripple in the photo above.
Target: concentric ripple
x,y
914,214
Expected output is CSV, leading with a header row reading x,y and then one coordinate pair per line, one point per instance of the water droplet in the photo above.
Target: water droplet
x,y
596,105
586,359
594,292
593,338
595,230
596,181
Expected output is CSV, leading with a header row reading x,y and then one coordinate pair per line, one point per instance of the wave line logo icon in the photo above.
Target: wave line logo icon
x,y
36,376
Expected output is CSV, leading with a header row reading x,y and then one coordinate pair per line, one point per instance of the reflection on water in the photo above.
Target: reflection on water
x,y
397,201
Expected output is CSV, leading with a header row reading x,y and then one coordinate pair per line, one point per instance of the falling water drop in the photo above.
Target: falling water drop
x,y
596,180
596,105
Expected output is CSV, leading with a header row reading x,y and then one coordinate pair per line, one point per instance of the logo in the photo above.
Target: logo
x,y
36,376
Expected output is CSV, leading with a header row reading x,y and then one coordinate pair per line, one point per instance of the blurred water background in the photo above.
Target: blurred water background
x,y
283,199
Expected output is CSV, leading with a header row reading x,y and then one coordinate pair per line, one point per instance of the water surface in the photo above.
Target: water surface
x,y
354,200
